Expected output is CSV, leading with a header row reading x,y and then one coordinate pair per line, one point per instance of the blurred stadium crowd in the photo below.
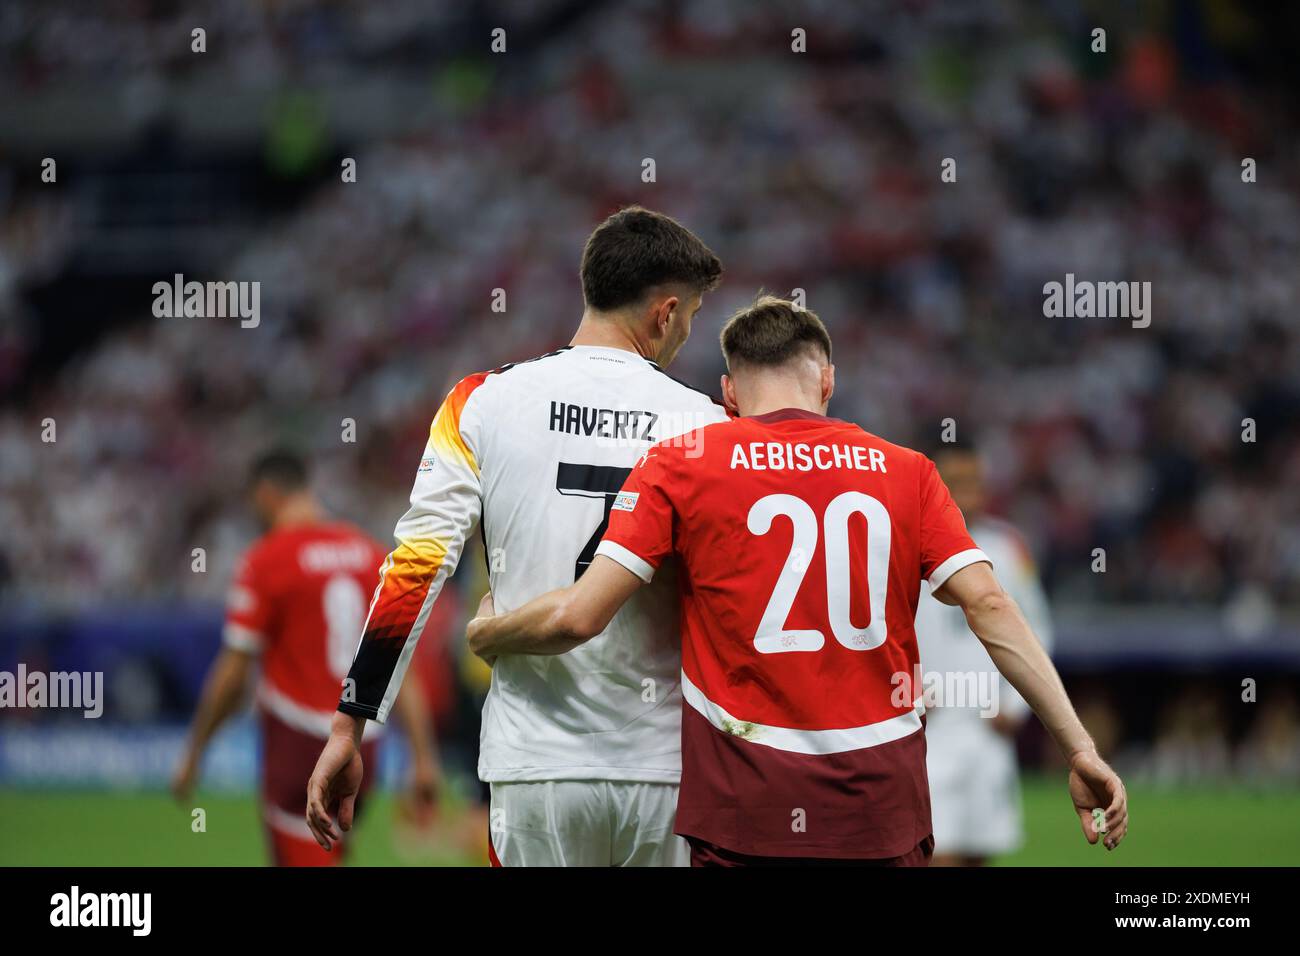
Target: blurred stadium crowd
x,y
817,172
820,173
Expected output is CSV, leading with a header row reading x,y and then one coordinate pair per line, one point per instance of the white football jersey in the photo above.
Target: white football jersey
x,y
540,450
950,652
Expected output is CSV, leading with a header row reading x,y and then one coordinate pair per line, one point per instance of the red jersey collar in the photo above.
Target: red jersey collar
x,y
786,414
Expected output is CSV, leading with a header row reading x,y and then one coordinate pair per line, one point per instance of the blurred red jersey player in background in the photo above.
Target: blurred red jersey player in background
x,y
298,603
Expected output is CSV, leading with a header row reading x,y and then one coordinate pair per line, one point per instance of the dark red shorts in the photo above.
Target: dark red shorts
x,y
707,854
288,758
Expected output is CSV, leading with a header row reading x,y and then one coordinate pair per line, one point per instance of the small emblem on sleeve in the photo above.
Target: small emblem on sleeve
x,y
426,464
626,500
241,599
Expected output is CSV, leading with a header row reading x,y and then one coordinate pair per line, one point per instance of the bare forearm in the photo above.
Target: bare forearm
x,y
413,715
223,692
539,627
347,726
1000,626
558,621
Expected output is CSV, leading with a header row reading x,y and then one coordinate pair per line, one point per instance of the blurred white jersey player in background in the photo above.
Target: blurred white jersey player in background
x,y
970,735
582,751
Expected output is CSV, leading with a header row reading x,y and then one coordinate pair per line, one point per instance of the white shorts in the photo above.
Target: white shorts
x,y
974,787
586,823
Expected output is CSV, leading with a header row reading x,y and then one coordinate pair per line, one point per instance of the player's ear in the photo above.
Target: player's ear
x,y
729,395
828,383
664,313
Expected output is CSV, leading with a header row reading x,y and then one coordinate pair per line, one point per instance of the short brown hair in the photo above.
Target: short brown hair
x,y
282,466
771,332
636,249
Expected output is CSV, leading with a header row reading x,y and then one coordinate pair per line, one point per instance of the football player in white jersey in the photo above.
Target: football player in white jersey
x,y
582,751
971,761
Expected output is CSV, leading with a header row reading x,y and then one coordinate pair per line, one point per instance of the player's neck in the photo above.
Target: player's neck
x,y
776,397
298,511
608,334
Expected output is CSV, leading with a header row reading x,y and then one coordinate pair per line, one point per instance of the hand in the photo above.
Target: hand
x,y
1093,784
335,782
185,777
473,632
423,789
1005,725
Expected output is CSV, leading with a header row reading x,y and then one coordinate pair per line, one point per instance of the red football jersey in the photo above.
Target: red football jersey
x,y
300,599
802,541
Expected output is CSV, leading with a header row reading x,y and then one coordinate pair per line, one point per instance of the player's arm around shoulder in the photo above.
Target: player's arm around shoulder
x,y
637,539
559,620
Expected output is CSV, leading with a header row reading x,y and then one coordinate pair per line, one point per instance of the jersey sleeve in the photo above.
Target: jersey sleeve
x,y
640,532
446,503
248,607
946,545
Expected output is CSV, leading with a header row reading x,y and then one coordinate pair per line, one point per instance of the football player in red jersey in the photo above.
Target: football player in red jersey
x,y
298,601
802,542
